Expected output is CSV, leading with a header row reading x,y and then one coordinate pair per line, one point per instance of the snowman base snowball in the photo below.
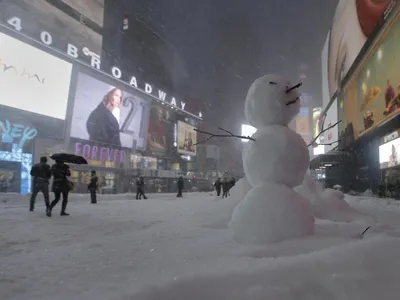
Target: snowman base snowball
x,y
271,213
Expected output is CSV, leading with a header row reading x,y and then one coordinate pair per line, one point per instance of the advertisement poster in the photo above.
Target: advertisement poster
x,y
353,24
68,21
317,124
107,115
33,80
159,130
324,68
187,138
302,122
378,84
389,154
331,135
143,162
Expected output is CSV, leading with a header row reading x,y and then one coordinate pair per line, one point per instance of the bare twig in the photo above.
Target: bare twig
x,y
314,140
228,135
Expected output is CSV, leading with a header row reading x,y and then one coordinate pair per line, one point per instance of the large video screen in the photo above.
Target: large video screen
x,y
33,80
159,132
389,154
187,139
353,24
108,115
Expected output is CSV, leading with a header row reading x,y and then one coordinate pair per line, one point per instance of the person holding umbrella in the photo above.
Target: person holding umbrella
x,y
61,186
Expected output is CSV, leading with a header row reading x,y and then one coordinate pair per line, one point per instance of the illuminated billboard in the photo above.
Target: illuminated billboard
x,y
316,131
108,115
33,80
187,139
354,23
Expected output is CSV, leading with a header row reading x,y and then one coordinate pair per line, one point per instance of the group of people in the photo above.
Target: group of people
x,y
140,187
225,185
42,173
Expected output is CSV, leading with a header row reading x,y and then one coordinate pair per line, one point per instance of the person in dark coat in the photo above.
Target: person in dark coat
x,y
225,188
103,124
41,174
93,186
61,186
180,185
140,188
232,183
218,185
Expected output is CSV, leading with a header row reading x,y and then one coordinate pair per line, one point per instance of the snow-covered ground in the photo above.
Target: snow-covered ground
x,y
167,248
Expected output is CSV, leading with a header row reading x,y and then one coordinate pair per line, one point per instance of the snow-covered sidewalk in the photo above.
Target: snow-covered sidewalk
x,y
120,247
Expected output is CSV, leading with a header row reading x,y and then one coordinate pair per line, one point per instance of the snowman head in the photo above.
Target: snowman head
x,y
270,100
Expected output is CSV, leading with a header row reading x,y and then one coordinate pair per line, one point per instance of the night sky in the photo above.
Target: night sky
x,y
227,44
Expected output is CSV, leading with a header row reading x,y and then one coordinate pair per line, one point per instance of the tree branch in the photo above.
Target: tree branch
x,y
228,135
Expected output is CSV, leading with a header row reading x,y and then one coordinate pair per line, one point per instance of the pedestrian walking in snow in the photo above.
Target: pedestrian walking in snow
x,y
41,174
218,185
225,188
93,186
180,186
61,186
140,188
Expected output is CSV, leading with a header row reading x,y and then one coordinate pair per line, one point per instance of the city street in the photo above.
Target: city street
x,y
119,247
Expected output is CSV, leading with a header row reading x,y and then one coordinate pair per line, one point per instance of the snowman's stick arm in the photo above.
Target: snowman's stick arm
x,y
229,135
329,144
322,131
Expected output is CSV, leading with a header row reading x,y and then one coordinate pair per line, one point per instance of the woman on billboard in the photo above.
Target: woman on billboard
x,y
393,157
103,122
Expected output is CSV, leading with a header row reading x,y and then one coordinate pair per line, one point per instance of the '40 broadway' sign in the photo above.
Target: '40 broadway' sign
x,y
16,23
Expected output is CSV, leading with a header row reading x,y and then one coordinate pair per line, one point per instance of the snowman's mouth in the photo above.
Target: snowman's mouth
x,y
293,101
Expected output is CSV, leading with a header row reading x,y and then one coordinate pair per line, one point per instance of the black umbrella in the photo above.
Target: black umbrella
x,y
70,158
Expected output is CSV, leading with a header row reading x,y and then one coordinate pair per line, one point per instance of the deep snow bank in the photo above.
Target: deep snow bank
x,y
366,269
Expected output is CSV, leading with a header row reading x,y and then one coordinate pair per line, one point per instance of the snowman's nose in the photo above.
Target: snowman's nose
x,y
294,87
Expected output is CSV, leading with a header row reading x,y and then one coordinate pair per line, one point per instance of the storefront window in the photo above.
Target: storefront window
x,y
16,167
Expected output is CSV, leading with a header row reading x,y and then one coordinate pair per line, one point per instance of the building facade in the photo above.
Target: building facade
x,y
361,91
58,96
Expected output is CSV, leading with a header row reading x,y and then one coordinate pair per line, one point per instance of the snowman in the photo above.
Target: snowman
x,y
274,163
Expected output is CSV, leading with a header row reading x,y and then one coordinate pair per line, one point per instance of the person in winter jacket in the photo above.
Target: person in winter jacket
x,y
93,186
140,188
180,187
61,186
41,174
225,188
232,182
218,185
